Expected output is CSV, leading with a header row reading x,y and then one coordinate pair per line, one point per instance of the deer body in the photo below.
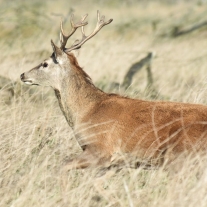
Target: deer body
x,y
106,124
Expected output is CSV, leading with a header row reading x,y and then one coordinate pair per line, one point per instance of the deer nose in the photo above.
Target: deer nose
x,y
22,76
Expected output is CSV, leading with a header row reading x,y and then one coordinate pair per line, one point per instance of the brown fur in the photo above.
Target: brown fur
x,y
150,132
74,63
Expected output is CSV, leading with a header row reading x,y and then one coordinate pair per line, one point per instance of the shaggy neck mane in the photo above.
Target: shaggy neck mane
x,y
78,69
84,75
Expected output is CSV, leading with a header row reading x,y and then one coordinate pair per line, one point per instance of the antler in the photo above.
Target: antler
x,y
63,37
100,23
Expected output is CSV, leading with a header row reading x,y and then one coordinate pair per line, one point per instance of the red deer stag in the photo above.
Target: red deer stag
x,y
105,124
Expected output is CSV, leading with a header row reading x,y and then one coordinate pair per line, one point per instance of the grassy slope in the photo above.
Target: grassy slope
x,y
35,137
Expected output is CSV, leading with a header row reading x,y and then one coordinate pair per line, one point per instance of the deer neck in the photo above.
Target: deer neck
x,y
77,95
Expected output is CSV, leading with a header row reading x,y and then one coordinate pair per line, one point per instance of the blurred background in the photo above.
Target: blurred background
x,y
152,50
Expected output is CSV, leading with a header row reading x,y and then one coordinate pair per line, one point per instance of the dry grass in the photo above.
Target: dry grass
x,y
35,138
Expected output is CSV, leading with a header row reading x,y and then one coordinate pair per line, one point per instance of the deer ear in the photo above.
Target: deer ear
x,y
57,51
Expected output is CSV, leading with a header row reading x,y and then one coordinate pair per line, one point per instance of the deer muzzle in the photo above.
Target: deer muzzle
x,y
25,79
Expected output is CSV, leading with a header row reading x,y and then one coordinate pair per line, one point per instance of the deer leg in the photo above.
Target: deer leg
x,y
84,160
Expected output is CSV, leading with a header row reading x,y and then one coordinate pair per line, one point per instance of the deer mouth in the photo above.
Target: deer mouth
x,y
27,81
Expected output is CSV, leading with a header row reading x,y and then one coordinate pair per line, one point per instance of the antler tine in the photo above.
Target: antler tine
x,y
100,23
63,37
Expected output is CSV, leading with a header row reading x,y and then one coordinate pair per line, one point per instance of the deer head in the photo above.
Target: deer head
x,y
58,66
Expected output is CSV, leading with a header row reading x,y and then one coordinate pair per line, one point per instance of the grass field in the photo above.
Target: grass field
x,y
34,135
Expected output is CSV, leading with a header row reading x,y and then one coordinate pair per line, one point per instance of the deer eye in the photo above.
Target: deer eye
x,y
44,65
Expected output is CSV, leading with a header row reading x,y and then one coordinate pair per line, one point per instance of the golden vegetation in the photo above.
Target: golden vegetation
x,y
35,138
